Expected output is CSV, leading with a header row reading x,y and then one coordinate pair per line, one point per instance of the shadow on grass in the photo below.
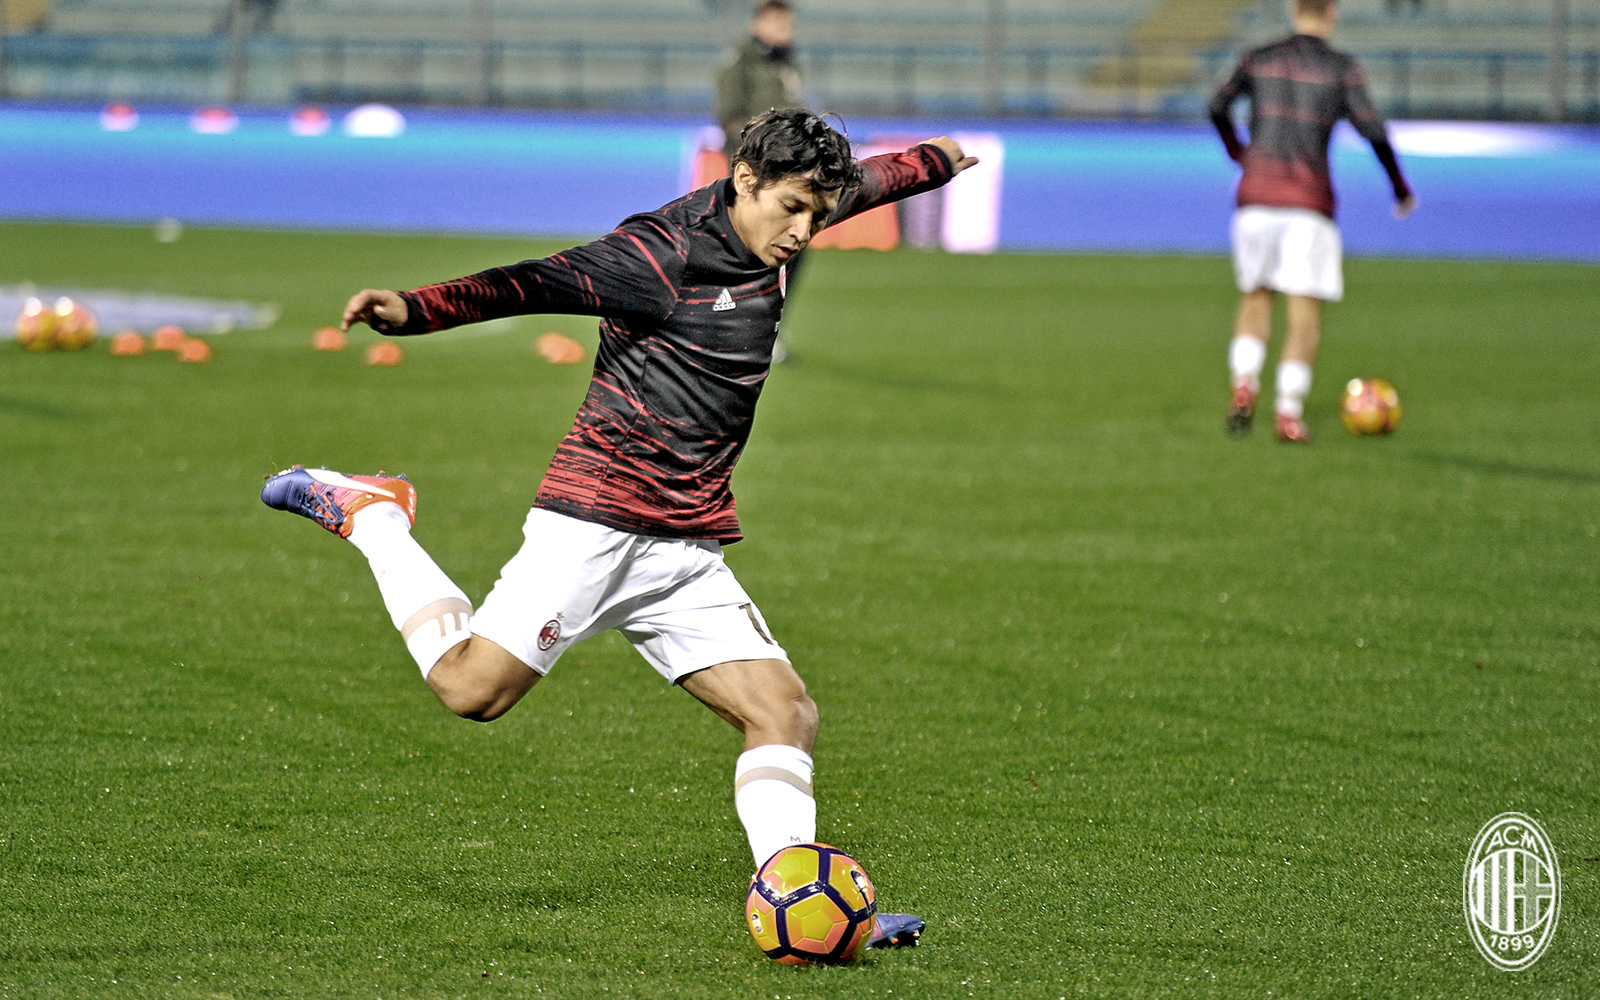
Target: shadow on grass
x,y
1498,467
37,408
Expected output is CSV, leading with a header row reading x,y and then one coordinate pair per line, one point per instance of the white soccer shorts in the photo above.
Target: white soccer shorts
x,y
1291,250
673,598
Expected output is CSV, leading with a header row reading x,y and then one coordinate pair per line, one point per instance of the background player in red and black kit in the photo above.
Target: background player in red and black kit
x,y
1284,236
627,529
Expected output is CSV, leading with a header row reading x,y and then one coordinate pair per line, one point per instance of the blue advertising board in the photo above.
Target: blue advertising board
x,y
1486,190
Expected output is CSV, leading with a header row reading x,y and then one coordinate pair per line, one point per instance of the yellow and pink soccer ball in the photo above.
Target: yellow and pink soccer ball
x,y
76,326
36,326
1371,406
811,903
68,324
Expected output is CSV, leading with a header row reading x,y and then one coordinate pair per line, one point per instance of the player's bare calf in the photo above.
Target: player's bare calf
x,y
763,699
478,679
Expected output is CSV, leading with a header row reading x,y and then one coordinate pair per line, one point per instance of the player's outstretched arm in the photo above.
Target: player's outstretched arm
x,y
893,176
379,308
959,160
635,269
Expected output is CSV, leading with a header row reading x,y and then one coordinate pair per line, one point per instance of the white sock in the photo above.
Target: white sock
x,y
431,612
1294,382
772,792
1246,355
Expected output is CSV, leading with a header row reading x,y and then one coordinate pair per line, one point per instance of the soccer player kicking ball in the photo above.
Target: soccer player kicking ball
x,y
1284,236
626,531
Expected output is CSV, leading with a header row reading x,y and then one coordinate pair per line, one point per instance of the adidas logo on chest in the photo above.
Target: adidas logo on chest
x,y
724,302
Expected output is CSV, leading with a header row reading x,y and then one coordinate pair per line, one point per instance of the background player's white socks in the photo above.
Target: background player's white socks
x,y
431,612
772,792
1294,382
1246,355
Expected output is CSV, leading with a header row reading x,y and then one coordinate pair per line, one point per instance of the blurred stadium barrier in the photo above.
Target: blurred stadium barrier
x,y
1014,58
1488,190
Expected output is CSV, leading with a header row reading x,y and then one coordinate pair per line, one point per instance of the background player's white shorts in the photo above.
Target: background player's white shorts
x,y
1291,250
673,598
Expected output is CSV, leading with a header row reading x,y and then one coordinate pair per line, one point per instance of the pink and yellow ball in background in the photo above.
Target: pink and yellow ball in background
x,y
76,326
36,326
1370,406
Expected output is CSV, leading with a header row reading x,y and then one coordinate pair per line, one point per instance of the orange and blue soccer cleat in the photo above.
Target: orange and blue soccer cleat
x,y
1242,409
330,498
1292,430
896,930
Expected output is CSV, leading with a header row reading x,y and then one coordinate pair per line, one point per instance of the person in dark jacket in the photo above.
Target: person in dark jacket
x,y
762,76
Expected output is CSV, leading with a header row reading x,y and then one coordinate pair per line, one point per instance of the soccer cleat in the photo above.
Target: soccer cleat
x,y
1242,410
1292,430
896,930
330,498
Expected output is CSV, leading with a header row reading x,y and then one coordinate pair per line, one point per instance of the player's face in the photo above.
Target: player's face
x,y
778,221
774,28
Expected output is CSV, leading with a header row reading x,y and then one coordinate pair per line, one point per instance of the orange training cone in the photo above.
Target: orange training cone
x,y
168,338
128,344
385,353
194,351
559,349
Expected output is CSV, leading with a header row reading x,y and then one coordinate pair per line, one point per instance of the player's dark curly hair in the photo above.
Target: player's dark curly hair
x,y
782,143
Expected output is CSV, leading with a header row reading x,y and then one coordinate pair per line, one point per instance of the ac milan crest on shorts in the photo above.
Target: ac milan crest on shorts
x,y
549,634
673,598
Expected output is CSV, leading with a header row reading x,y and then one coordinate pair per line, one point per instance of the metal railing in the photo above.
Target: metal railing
x,y
852,78
1495,85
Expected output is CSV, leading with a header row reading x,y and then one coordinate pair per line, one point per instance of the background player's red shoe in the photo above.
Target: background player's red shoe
x,y
1293,430
1242,410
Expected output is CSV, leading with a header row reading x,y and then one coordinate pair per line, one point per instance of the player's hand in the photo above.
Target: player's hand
x,y
380,309
958,160
1405,206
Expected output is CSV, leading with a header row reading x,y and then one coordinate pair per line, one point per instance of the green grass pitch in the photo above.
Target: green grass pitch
x,y
1122,706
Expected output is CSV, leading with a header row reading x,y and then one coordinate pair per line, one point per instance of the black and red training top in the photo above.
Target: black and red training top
x,y
1299,88
688,319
